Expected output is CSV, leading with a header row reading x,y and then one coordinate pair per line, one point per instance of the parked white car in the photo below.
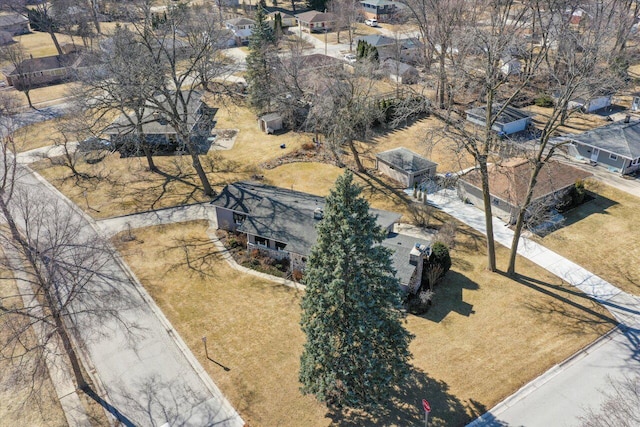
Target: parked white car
x,y
350,58
371,22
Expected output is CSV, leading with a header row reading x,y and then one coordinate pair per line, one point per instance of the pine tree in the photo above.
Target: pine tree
x,y
259,63
357,349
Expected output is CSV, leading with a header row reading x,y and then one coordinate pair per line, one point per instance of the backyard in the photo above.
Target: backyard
x,y
252,327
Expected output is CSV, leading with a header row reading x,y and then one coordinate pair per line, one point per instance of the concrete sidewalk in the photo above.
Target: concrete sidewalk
x,y
561,395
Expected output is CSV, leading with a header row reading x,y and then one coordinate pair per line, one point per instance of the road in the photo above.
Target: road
x,y
149,376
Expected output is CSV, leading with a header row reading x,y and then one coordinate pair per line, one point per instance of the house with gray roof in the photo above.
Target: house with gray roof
x,y
47,70
405,166
399,72
616,146
510,120
158,131
14,24
381,10
281,223
241,29
378,40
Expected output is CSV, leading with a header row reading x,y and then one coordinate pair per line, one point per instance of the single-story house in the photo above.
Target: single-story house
x,y
510,66
509,182
47,70
269,123
281,223
241,29
158,132
408,50
287,19
381,10
400,72
509,121
378,40
591,104
314,21
14,24
405,166
615,146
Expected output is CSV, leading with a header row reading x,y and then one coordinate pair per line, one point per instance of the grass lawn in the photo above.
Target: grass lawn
x,y
485,337
597,236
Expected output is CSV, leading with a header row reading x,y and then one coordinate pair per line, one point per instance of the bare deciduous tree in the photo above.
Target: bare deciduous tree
x,y
621,407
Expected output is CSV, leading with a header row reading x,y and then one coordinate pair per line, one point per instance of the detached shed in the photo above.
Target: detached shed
x,y
510,120
400,72
405,166
269,123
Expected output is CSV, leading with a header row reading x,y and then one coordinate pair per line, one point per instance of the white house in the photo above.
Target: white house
x,y
510,120
241,29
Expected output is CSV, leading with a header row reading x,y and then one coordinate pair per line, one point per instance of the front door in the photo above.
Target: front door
x,y
594,154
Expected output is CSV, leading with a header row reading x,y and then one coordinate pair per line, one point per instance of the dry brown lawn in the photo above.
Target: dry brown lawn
x,y
37,135
577,123
598,237
24,402
485,337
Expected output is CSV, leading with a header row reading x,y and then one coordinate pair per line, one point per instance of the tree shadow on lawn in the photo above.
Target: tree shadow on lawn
x,y
404,408
564,297
448,297
597,205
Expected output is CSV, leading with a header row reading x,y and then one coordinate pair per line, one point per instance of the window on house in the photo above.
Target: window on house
x,y
261,241
238,218
613,157
280,246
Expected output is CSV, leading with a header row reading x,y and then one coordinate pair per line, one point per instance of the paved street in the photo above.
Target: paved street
x,y
150,378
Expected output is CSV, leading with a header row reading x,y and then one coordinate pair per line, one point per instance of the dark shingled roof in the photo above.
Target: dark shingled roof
x,y
406,160
618,138
315,16
12,19
46,63
508,115
286,216
281,214
377,40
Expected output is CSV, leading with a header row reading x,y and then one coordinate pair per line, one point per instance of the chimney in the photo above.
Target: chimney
x,y
417,252
318,213
627,118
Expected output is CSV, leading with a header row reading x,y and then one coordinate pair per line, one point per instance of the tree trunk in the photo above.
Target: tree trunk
x,y
488,217
149,156
442,83
356,156
201,174
511,270
28,95
55,41
71,353
93,5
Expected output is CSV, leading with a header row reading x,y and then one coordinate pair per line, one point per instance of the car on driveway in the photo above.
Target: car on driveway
x,y
95,144
371,22
350,58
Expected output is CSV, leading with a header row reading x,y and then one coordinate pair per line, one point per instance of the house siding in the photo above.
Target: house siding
x,y
499,208
508,128
225,219
583,152
399,175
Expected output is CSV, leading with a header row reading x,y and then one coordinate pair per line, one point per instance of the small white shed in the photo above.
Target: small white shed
x,y
269,123
510,120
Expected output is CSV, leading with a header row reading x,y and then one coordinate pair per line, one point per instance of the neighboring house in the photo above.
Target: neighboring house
x,y
409,51
269,123
14,24
48,70
6,38
510,66
314,21
281,223
378,40
382,10
616,146
405,166
158,132
510,120
595,103
241,29
509,183
287,19
400,72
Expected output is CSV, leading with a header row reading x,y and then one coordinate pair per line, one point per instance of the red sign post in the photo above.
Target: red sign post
x,y
427,409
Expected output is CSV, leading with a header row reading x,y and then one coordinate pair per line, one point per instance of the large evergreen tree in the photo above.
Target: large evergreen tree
x,y
260,61
357,349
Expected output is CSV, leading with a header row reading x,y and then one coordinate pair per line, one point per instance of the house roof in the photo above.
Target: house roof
x,y
283,15
315,16
618,138
46,63
377,40
281,214
9,19
401,246
510,180
271,116
153,123
508,115
406,160
378,2
397,67
240,21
